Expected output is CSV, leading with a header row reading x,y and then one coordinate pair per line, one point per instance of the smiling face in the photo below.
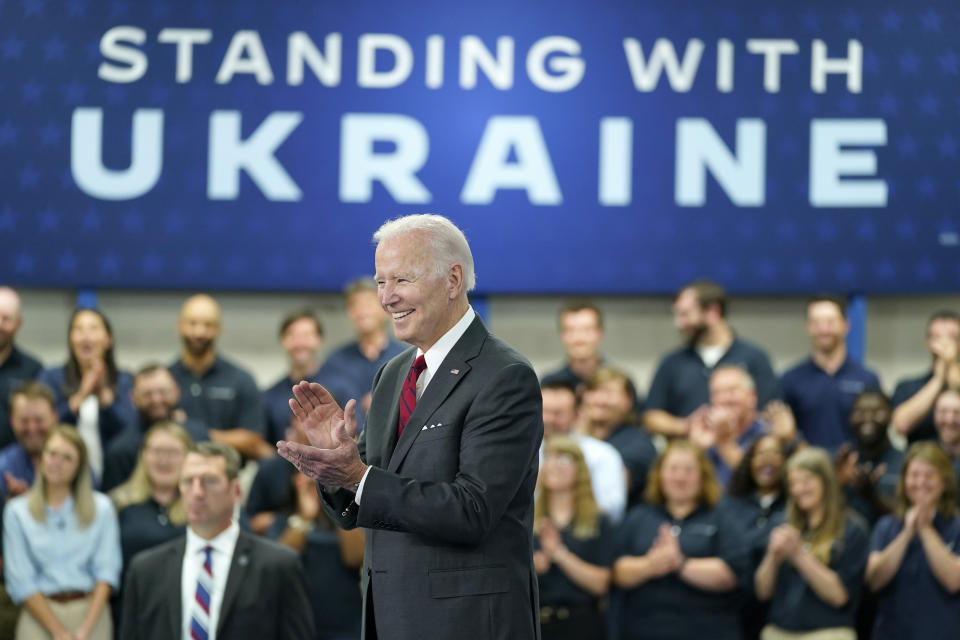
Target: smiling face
x,y
688,316
199,325
922,483
766,465
302,341
609,403
155,394
32,420
806,489
89,338
559,471
59,462
163,456
422,304
365,313
946,418
680,476
580,333
869,419
826,326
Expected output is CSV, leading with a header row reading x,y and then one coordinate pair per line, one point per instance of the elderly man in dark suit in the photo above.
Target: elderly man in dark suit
x,y
443,475
217,582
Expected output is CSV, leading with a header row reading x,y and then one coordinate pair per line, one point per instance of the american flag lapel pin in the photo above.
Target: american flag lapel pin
x,y
455,371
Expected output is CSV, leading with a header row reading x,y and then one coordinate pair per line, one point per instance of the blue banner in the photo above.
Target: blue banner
x,y
616,146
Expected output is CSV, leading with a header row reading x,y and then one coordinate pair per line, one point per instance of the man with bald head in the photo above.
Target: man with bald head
x,y
443,475
16,367
214,390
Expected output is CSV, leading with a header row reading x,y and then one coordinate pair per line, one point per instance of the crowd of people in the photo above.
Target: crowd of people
x,y
724,502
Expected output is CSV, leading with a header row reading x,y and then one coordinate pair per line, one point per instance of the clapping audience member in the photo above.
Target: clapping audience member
x,y
913,398
868,471
821,389
156,397
913,565
17,368
33,416
61,547
729,424
756,500
608,476
679,557
680,384
608,415
216,391
573,546
812,570
90,391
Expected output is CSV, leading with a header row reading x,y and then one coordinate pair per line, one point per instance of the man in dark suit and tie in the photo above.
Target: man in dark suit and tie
x,y
217,582
443,475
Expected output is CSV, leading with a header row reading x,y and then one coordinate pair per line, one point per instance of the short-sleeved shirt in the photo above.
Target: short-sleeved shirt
x,y
120,458
906,389
15,461
681,383
349,370
556,588
821,402
18,369
914,605
636,448
796,607
668,607
224,397
276,403
143,526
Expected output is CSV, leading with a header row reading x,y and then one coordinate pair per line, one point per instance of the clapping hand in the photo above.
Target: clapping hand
x,y
784,542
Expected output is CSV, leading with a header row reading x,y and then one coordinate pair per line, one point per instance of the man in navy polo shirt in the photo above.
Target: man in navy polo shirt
x,y
16,367
681,382
351,368
913,398
820,390
214,390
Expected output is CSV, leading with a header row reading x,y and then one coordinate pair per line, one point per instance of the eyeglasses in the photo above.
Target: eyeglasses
x,y
563,459
164,452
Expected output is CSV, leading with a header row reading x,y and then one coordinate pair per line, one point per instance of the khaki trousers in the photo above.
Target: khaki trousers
x,y
70,615
771,632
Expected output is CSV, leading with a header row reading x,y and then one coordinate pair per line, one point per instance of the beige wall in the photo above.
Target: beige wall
x,y
638,330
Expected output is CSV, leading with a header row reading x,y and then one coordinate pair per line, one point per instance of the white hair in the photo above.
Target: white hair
x,y
448,243
746,380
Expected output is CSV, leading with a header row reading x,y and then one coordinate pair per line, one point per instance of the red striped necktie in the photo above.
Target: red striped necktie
x,y
408,396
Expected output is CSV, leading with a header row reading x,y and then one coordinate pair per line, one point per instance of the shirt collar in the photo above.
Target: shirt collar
x,y
436,354
223,543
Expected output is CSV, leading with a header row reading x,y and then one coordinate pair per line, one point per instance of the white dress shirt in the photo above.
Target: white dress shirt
x,y
434,357
193,557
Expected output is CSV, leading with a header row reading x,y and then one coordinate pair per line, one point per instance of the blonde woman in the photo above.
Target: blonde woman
x,y
812,570
61,547
572,556
679,557
913,565
148,505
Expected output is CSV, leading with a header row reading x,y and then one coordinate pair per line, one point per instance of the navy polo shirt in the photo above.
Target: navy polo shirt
x,y
681,384
668,607
143,526
120,457
276,403
17,370
821,402
796,607
906,389
556,588
350,371
272,488
914,604
224,397
636,448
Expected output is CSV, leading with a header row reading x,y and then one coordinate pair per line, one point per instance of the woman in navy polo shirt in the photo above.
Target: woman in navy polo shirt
x,y
756,499
913,564
812,571
573,547
679,557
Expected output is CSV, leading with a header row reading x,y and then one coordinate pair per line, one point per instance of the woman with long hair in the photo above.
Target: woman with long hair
x,y
679,556
757,499
572,556
812,570
914,566
61,547
148,505
90,391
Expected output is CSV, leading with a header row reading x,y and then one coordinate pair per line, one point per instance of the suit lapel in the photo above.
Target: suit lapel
x,y
393,417
239,567
173,584
451,371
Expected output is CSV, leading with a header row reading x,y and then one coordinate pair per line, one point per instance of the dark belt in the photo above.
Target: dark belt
x,y
68,596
